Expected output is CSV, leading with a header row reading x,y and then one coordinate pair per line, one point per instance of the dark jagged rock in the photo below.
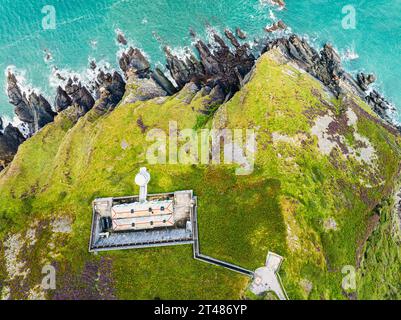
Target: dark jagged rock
x,y
216,97
325,66
219,65
240,34
112,90
232,38
134,61
10,140
107,89
83,101
183,71
80,96
19,100
71,88
364,81
93,65
121,38
62,100
159,77
380,105
137,68
34,110
279,25
41,109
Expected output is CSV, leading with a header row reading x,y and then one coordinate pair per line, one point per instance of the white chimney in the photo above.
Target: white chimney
x,y
142,179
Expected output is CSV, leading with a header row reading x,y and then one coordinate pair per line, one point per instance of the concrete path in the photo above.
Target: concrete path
x,y
267,278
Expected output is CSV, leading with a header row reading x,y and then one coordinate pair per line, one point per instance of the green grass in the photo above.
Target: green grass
x,y
379,276
280,207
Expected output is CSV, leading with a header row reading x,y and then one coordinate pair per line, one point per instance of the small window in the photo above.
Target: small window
x,y
161,208
132,210
150,210
133,224
164,221
151,223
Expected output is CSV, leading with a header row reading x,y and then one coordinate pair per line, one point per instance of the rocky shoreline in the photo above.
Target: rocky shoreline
x,y
326,66
222,68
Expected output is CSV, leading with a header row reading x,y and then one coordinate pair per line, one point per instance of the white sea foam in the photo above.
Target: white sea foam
x,y
349,54
272,16
15,122
86,76
210,32
181,52
20,74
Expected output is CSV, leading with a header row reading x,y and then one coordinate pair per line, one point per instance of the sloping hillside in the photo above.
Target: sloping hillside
x,y
324,170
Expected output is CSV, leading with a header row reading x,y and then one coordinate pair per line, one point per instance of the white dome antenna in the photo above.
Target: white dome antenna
x,y
142,179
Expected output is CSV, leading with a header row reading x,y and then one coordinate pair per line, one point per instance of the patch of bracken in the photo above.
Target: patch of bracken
x,y
95,282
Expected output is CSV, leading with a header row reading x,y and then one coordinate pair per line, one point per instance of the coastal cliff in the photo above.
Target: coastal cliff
x,y
321,194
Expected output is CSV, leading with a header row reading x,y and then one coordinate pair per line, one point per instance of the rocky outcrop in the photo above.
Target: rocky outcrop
x,y
217,65
280,3
240,34
148,83
143,89
81,98
62,100
108,90
135,62
218,71
215,97
34,109
144,82
183,70
121,38
364,81
10,140
380,105
326,66
159,77
279,25
111,90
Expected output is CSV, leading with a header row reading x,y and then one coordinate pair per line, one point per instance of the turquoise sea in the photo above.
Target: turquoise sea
x,y
86,29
